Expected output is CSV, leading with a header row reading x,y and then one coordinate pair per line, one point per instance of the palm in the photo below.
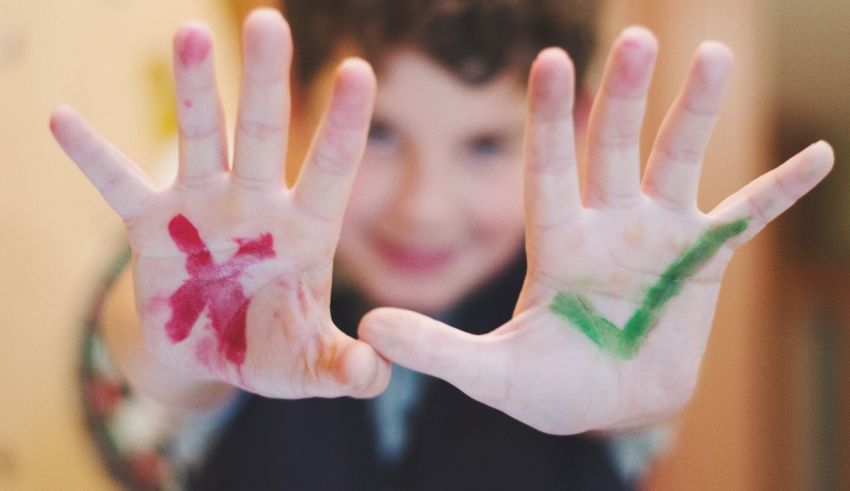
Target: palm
x,y
611,272
623,278
232,269
225,268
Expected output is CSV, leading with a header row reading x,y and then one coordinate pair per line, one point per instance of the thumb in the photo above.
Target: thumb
x,y
423,344
360,369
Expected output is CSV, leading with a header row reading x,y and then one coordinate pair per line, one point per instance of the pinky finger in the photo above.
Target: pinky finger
x,y
765,198
123,185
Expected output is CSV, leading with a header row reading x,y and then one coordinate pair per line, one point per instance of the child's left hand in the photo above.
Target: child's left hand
x,y
623,278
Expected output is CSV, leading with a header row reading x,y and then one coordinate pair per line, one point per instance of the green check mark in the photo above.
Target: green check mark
x,y
624,343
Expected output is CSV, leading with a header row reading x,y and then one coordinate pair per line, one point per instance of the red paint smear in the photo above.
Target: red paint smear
x,y
193,46
634,61
214,286
206,352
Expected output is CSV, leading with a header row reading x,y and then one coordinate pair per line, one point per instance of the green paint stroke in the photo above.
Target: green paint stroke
x,y
624,343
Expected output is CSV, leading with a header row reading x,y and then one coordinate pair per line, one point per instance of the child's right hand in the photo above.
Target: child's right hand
x,y
232,269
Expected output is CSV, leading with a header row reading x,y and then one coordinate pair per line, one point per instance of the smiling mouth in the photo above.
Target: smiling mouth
x,y
414,259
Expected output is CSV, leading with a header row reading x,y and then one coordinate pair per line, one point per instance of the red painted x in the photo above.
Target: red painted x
x,y
215,286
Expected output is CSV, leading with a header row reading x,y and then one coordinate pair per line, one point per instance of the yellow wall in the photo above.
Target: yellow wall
x,y
109,59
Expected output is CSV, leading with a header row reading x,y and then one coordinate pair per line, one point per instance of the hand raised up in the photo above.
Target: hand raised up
x,y
623,277
232,269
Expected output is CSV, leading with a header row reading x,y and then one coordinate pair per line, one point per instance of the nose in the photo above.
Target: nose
x,y
425,200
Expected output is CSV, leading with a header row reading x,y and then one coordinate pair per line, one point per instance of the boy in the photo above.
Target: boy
x,y
233,270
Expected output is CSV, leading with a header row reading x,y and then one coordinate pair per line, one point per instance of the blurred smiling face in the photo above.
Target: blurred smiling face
x,y
436,209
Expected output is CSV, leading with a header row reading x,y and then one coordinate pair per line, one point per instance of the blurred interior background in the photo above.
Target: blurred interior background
x,y
773,407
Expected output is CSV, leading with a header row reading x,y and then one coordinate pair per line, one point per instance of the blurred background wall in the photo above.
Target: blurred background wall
x,y
771,411
110,59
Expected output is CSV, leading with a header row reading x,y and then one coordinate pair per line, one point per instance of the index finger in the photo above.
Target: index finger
x,y
551,180
325,181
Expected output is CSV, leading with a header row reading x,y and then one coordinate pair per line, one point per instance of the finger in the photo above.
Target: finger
x,y
672,173
263,119
551,180
768,196
325,181
359,368
423,344
613,151
123,185
203,142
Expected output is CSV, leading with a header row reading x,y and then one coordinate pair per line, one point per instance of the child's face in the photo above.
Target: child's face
x,y
437,205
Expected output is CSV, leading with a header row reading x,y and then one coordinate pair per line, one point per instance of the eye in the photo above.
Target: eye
x,y
486,146
380,133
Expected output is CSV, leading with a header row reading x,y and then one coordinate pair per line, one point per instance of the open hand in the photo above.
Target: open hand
x,y
623,277
232,269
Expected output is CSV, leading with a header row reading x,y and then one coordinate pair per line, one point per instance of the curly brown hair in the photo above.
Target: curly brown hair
x,y
474,39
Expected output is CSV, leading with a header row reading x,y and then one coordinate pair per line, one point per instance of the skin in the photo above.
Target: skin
x,y
215,287
436,209
614,230
293,348
605,240
625,343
